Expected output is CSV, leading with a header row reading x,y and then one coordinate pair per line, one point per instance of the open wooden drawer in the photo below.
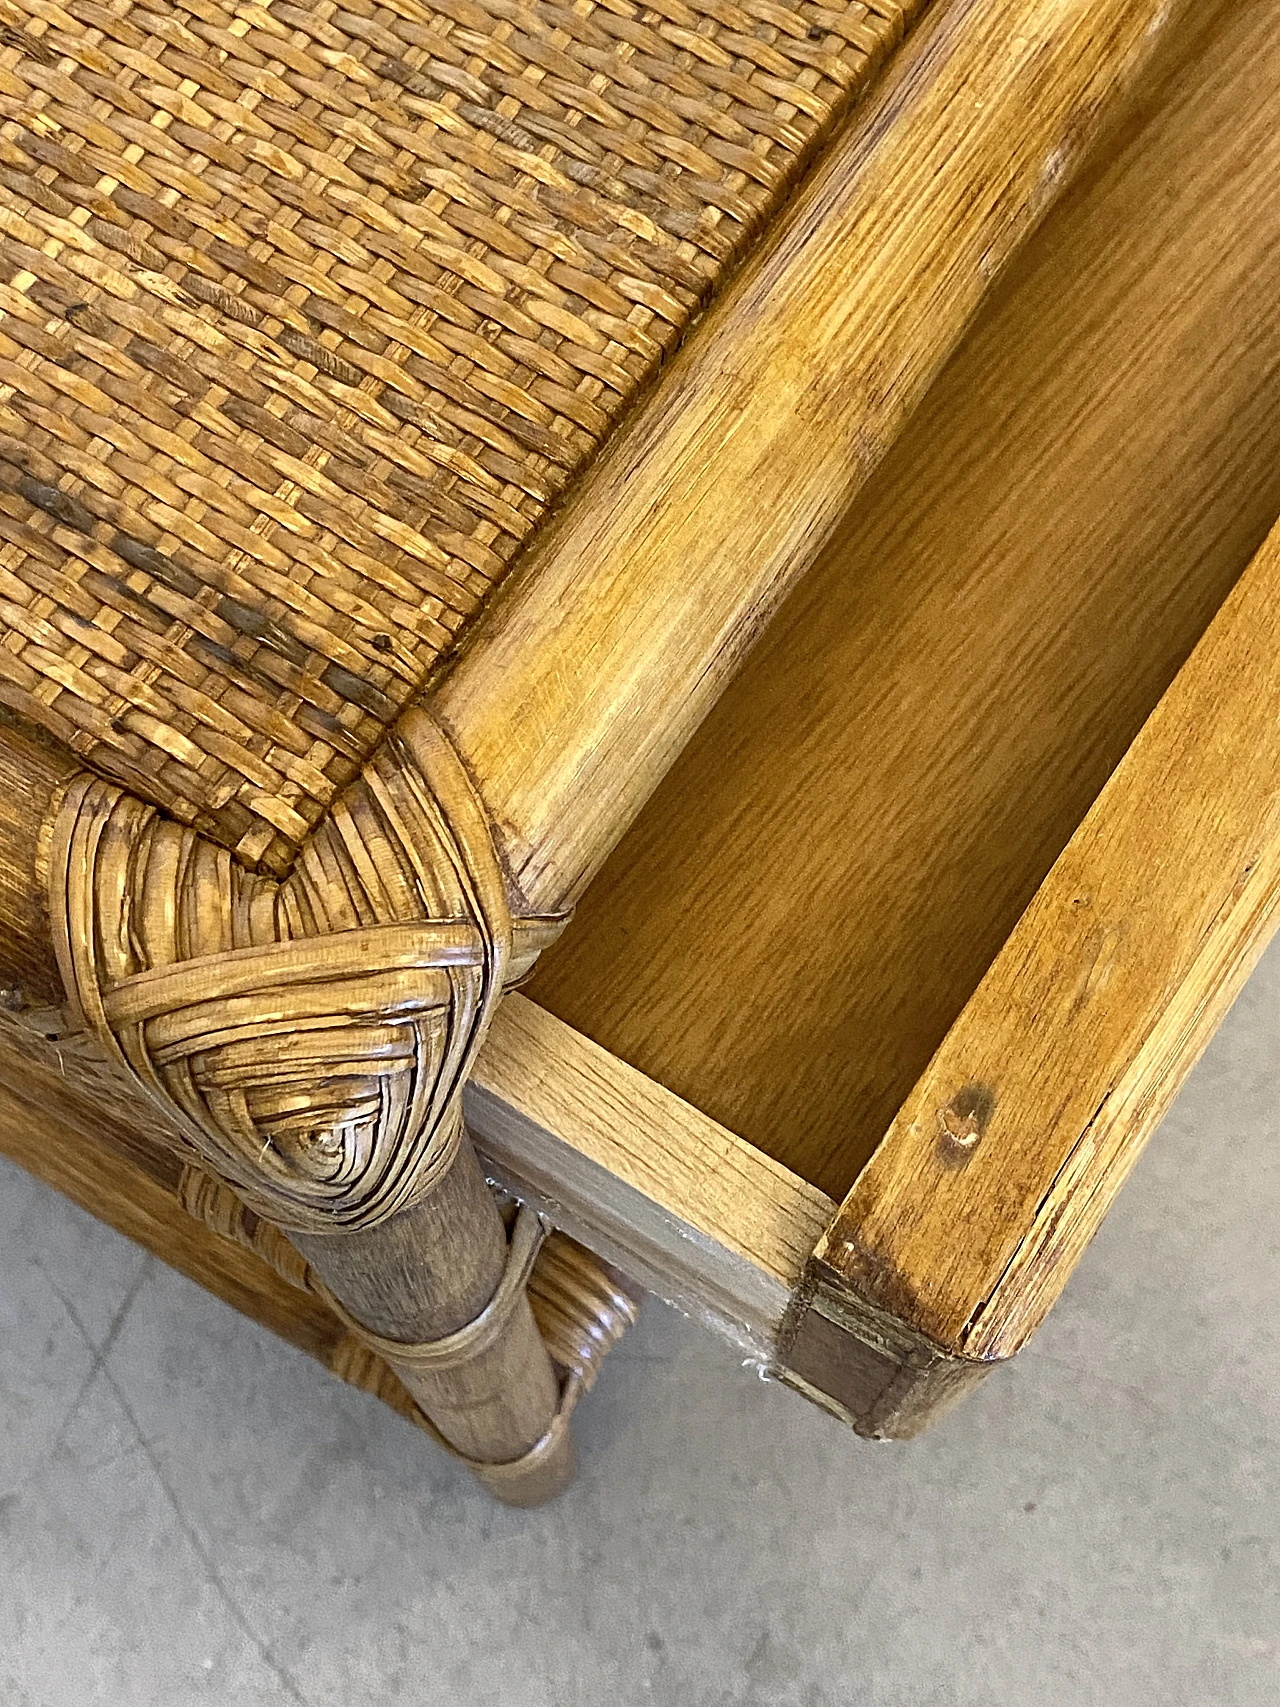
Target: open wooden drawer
x,y
889,952
959,876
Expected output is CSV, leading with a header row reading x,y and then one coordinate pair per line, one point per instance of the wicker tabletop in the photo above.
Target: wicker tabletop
x,y
308,315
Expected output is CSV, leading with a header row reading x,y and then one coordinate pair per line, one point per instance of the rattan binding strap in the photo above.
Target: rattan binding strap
x,y
308,313
474,1337
308,1040
471,1341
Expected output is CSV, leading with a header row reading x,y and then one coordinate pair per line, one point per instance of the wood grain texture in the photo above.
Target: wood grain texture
x,y
586,677
684,1207
1036,1106
813,895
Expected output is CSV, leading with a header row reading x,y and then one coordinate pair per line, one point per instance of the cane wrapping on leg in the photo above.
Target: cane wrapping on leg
x,y
309,1040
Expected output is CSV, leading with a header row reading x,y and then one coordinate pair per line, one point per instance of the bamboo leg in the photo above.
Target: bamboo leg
x,y
580,1305
309,1041
427,1273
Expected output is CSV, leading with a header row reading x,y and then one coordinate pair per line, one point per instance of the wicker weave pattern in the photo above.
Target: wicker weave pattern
x,y
307,314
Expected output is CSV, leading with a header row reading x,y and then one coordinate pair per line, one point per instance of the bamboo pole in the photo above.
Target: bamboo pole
x,y
618,631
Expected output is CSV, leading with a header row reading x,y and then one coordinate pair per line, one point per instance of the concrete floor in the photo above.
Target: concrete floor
x,y
191,1512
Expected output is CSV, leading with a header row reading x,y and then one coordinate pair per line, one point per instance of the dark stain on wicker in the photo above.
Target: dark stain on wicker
x,y
306,317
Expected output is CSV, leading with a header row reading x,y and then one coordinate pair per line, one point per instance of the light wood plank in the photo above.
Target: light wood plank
x,y
686,1208
589,673
997,1171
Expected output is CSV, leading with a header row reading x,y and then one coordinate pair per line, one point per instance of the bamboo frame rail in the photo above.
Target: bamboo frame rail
x,y
600,656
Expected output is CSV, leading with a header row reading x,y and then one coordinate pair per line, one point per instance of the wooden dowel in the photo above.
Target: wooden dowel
x,y
587,677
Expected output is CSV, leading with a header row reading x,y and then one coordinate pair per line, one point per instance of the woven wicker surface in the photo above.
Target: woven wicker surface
x,y
308,313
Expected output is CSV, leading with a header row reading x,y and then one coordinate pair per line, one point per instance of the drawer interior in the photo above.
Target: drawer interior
x,y
803,909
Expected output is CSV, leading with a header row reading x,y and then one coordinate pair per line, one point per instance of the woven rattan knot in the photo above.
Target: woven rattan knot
x,y
309,1039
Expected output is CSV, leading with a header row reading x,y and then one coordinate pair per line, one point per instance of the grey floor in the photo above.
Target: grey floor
x,y
191,1512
